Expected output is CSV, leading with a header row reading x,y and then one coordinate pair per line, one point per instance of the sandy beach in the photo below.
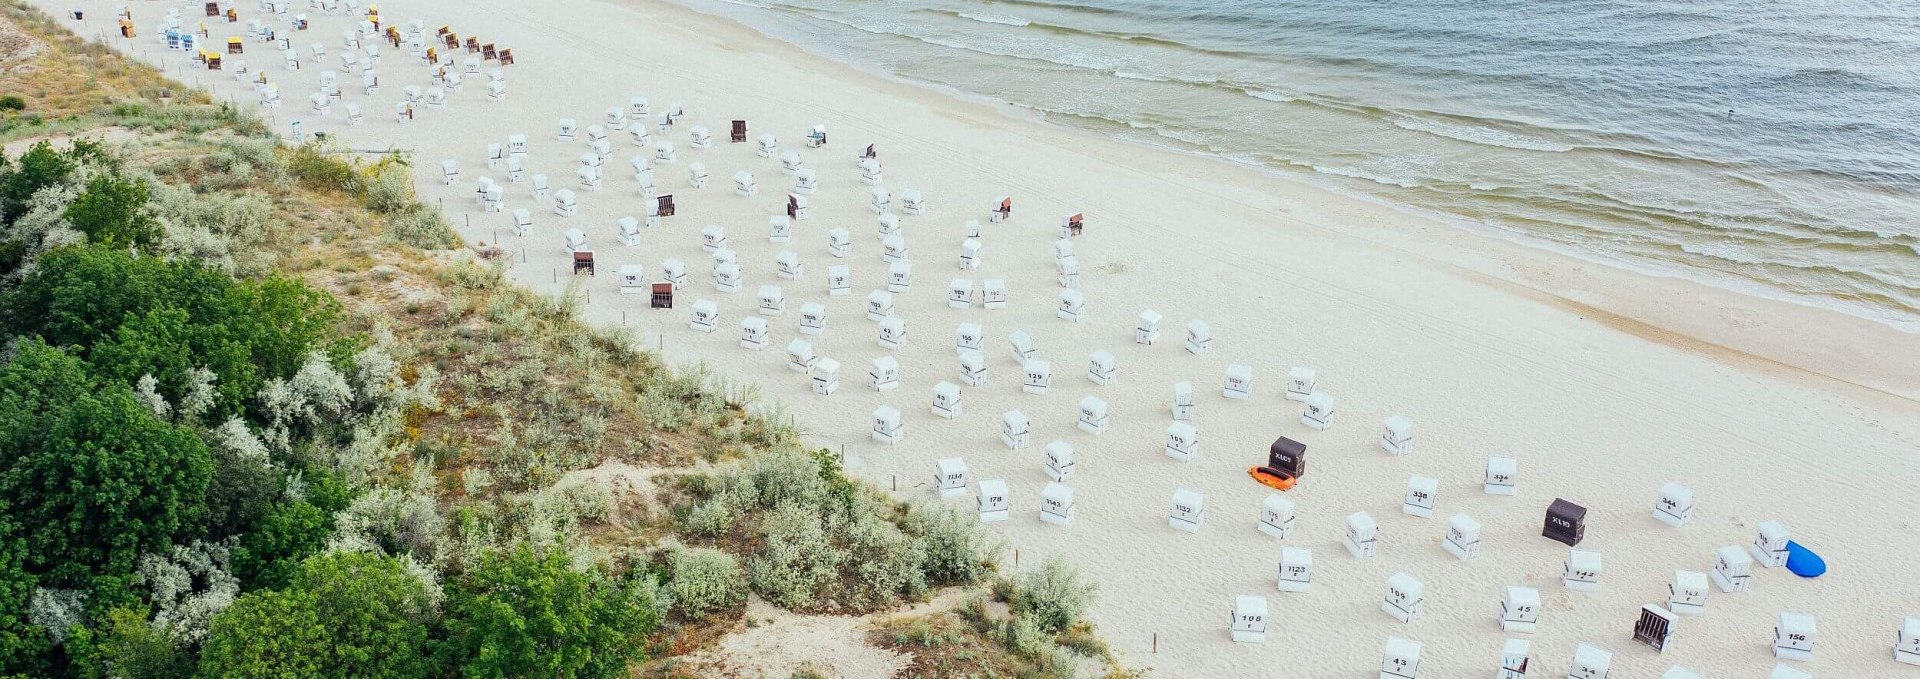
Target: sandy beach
x,y
1604,384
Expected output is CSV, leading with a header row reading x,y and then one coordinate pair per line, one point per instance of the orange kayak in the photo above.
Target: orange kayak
x,y
1272,478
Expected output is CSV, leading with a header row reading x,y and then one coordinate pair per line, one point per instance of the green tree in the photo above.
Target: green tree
x,y
269,555
526,614
93,480
113,210
348,614
132,648
20,644
40,167
375,614
132,315
267,635
271,552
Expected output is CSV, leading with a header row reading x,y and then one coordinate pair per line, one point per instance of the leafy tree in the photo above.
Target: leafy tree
x,y
93,480
133,315
113,210
132,648
267,634
19,643
239,495
289,532
375,614
269,555
40,167
526,614
345,614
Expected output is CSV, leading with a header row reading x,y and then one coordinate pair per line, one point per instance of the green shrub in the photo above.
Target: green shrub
x,y
957,551
799,565
1053,594
786,476
316,168
706,581
113,210
12,102
422,227
886,563
389,186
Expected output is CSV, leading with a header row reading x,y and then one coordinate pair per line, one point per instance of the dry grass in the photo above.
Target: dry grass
x,y
70,83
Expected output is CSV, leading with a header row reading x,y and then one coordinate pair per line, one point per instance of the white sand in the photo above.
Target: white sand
x,y
1605,384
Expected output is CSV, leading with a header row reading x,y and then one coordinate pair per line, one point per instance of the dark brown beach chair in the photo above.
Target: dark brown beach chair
x,y
739,131
663,295
583,261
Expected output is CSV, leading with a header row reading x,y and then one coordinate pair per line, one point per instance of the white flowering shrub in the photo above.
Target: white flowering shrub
x,y
57,611
44,226
200,394
146,391
189,586
391,521
234,436
221,230
322,391
706,581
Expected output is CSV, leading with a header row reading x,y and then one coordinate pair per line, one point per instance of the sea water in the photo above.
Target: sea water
x,y
1765,145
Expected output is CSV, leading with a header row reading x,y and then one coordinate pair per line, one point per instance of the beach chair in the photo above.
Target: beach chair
x,y
506,57
817,137
739,131
583,261
487,52
1002,209
236,46
473,45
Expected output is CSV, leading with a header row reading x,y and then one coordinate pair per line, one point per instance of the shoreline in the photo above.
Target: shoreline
x,y
1400,315
1715,320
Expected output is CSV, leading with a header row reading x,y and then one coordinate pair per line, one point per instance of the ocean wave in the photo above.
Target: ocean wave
x,y
993,19
1357,173
1129,75
1268,95
1090,9
1476,134
899,31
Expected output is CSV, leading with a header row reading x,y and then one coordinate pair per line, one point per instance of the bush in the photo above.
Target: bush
x,y
388,186
706,581
90,477
886,563
957,551
800,564
524,614
422,227
316,168
786,476
113,210
12,102
1053,594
